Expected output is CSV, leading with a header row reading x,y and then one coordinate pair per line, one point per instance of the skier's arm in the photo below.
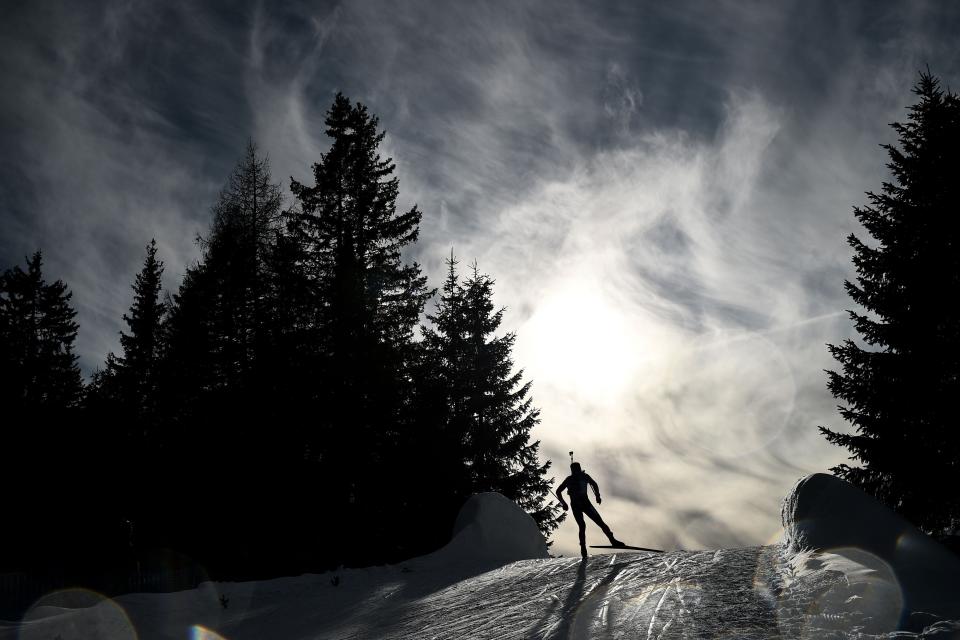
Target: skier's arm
x,y
559,493
596,489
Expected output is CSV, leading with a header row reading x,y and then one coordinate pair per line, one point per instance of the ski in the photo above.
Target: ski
x,y
624,546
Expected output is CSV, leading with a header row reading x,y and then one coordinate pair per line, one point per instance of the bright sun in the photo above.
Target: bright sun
x,y
579,342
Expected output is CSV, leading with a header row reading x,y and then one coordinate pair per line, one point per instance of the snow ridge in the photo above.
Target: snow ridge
x,y
847,568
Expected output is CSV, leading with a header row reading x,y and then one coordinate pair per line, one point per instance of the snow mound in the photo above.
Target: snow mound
x,y
823,513
490,531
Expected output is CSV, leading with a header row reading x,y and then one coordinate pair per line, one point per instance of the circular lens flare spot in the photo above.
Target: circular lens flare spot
x,y
76,613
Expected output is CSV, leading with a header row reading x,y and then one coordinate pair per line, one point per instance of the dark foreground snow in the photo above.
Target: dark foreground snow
x,y
847,568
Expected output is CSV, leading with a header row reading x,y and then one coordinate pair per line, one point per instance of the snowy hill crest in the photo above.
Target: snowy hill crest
x,y
847,568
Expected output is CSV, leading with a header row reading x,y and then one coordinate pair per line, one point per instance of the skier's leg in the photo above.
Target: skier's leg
x,y
591,511
578,516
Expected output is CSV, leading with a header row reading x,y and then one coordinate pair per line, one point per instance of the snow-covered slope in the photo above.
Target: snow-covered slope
x,y
835,576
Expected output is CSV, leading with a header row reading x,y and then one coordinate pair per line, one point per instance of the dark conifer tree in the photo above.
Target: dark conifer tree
x,y
901,388
187,366
44,444
489,412
369,302
246,218
439,394
37,332
216,384
142,344
130,379
220,315
122,400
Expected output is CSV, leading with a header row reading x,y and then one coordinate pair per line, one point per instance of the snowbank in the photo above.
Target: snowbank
x,y
490,531
826,514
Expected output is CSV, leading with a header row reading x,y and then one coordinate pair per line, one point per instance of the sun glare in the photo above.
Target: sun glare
x,y
579,342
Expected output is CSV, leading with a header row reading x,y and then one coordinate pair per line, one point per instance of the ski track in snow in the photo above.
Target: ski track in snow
x,y
749,593
730,593
651,596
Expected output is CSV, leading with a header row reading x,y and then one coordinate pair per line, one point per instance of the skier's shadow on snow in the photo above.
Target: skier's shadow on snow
x,y
574,601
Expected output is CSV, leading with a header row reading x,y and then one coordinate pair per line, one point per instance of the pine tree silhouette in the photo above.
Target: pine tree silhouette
x,y
129,381
220,315
122,400
368,304
45,446
37,332
246,218
489,411
216,385
141,346
900,391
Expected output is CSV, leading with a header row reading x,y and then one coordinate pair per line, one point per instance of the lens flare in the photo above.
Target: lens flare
x,y
823,593
199,632
76,613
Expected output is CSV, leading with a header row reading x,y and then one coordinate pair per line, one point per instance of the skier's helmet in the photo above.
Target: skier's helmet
x,y
575,467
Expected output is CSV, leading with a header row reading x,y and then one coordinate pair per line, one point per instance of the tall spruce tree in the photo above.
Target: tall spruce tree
x,y
368,304
440,393
900,390
489,413
130,380
246,218
141,346
122,397
219,318
37,333
122,400
216,385
45,446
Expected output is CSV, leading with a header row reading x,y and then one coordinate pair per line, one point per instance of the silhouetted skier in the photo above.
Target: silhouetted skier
x,y
576,486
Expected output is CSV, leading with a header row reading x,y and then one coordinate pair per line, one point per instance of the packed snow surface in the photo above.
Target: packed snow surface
x,y
837,575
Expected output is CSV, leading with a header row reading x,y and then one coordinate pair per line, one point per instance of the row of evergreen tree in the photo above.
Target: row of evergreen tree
x,y
285,410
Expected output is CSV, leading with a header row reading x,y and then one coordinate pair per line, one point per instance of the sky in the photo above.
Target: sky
x,y
662,192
